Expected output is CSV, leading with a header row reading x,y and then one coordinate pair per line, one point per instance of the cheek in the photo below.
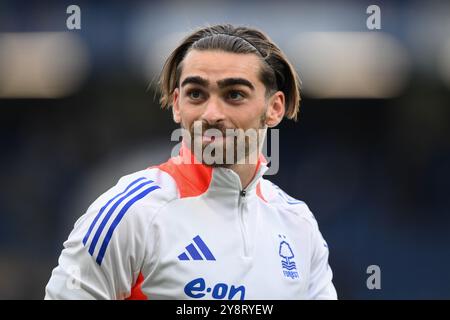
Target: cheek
x,y
250,118
187,117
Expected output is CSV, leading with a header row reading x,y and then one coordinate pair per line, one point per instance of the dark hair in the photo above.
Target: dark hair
x,y
277,73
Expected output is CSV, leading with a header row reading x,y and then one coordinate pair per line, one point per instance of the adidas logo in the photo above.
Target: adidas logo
x,y
193,252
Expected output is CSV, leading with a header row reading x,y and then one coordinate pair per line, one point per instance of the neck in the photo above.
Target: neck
x,y
246,172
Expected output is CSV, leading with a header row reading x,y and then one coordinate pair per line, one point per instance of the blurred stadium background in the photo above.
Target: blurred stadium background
x,y
370,154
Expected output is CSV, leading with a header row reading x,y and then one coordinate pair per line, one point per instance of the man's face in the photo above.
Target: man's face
x,y
220,90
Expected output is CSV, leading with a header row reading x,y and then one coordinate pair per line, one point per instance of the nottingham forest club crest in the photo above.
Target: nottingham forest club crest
x,y
287,263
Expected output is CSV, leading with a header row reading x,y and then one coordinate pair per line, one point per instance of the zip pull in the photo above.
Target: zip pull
x,y
243,193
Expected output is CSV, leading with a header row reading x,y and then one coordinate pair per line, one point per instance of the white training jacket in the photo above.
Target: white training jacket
x,y
189,231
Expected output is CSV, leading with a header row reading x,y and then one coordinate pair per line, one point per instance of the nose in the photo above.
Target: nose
x,y
213,112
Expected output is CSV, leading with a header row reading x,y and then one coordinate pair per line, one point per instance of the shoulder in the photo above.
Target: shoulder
x,y
122,214
286,204
150,188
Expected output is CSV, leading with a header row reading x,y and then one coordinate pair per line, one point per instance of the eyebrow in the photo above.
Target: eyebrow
x,y
195,80
221,83
234,81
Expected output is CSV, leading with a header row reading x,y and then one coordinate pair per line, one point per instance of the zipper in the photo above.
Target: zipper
x,y
243,221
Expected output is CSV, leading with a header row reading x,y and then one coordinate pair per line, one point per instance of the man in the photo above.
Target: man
x,y
205,224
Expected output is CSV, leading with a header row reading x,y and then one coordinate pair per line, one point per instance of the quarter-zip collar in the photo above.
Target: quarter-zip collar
x,y
194,179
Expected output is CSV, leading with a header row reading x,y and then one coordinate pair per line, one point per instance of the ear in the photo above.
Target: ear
x,y
176,106
276,109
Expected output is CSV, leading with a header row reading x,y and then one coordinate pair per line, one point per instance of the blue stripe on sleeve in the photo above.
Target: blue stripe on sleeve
x,y
88,233
117,220
110,212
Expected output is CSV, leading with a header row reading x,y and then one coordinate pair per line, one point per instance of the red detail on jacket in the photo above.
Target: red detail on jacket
x,y
136,291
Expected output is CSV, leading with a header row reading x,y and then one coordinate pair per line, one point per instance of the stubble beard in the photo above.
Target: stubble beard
x,y
228,146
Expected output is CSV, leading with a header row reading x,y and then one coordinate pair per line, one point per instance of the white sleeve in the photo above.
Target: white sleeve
x,y
321,286
103,255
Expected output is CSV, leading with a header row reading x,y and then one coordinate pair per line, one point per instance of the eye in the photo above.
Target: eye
x,y
236,95
195,94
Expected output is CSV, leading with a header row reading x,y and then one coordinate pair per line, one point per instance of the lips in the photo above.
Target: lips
x,y
208,134
210,138
206,138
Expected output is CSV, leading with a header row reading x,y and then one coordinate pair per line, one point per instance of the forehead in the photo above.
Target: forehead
x,y
216,65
